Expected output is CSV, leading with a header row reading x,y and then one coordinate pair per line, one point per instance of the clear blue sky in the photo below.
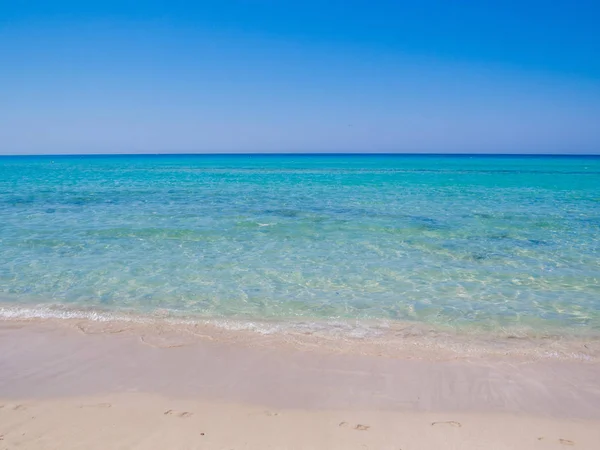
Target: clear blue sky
x,y
276,76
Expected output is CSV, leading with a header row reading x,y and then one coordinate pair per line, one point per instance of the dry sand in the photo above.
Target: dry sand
x,y
147,421
61,389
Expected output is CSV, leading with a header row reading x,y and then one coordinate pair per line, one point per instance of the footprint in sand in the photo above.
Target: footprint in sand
x,y
566,442
182,414
451,423
19,408
358,427
265,413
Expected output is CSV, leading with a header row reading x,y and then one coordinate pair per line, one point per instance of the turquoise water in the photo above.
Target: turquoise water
x,y
491,242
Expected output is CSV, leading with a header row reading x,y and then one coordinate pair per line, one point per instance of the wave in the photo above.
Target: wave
x,y
380,338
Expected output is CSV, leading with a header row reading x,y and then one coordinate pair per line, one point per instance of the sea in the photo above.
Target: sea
x,y
354,242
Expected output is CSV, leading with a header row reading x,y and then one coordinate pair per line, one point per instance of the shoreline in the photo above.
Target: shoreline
x,y
61,388
393,339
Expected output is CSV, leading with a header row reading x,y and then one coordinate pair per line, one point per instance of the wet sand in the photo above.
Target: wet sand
x,y
61,388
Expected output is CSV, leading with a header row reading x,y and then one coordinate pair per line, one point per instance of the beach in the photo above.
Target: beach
x,y
299,302
63,388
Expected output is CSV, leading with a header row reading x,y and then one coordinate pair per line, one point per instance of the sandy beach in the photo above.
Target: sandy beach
x,y
61,388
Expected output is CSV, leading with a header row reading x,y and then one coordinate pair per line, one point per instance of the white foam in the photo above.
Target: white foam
x,y
334,328
55,312
350,332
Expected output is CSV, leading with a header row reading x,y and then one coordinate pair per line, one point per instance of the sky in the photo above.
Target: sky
x,y
299,76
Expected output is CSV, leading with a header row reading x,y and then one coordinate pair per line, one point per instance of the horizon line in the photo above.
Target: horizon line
x,y
302,154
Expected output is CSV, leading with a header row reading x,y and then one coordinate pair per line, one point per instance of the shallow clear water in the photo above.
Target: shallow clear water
x,y
490,242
